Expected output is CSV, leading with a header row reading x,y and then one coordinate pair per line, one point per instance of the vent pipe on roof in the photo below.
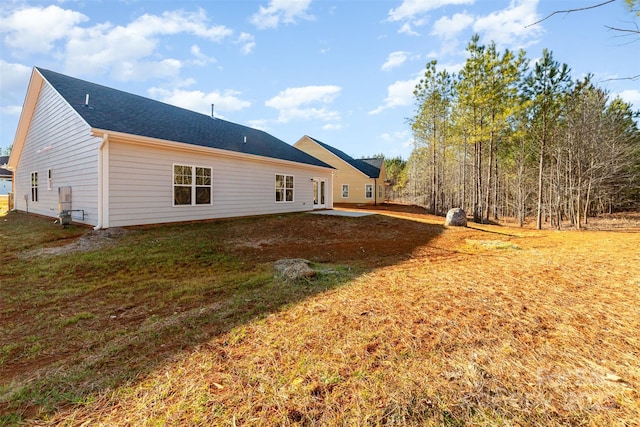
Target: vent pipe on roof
x,y
212,110
86,100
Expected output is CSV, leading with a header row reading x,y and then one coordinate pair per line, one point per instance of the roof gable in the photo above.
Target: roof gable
x,y
366,168
114,110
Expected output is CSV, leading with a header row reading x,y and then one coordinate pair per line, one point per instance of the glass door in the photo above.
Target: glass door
x,y
319,193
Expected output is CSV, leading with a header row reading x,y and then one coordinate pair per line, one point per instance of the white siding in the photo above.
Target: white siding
x,y
141,186
58,139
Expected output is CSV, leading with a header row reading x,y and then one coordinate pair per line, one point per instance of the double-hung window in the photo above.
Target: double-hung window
x,y
345,191
192,185
284,188
368,191
34,186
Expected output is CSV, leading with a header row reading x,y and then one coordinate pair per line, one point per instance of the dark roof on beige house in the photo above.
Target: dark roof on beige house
x,y
363,165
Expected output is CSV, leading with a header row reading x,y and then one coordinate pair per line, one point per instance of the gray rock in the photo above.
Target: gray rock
x,y
456,217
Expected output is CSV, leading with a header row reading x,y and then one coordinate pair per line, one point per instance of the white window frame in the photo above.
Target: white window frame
x,y
34,187
345,190
368,191
285,189
192,184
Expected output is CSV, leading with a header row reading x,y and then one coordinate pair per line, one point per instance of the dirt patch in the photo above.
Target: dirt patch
x,y
370,240
90,241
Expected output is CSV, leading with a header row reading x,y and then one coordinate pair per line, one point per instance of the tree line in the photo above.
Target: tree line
x,y
507,136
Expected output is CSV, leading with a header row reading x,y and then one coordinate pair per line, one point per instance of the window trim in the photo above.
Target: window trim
x,y
345,187
368,191
49,179
193,185
34,187
293,188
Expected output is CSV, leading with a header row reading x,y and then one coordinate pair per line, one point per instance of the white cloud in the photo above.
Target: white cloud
x,y
175,22
395,59
447,28
297,96
199,101
123,49
409,9
260,124
201,58
631,96
13,85
300,103
246,42
508,27
406,28
395,136
285,11
35,29
394,140
332,126
127,52
399,94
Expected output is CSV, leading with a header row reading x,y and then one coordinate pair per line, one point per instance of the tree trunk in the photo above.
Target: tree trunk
x,y
540,171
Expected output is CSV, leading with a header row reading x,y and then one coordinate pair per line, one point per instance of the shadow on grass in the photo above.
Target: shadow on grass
x,y
86,322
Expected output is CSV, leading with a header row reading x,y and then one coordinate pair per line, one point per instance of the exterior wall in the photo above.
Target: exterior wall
x,y
346,174
58,139
5,186
140,189
357,185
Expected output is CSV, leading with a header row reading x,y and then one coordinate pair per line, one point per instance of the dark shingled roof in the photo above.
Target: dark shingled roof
x,y
114,110
366,168
376,162
4,173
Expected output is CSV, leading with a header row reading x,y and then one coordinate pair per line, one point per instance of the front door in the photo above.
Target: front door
x,y
319,193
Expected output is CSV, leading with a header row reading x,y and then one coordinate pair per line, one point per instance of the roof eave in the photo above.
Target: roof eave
x,y
183,146
28,108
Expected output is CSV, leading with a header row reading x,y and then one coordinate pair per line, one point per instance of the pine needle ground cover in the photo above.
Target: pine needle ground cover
x,y
407,323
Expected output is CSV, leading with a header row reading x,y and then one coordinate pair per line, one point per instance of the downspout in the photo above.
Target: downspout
x,y
105,140
375,192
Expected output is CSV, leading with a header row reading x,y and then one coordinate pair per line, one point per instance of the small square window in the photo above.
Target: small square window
x,y
284,188
368,191
192,185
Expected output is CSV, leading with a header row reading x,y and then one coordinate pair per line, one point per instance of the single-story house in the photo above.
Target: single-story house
x,y
360,181
111,158
5,176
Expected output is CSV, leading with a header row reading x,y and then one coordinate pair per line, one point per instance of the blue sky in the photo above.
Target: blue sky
x,y
340,71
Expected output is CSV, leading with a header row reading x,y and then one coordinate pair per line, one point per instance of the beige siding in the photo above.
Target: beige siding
x,y
141,185
345,174
58,139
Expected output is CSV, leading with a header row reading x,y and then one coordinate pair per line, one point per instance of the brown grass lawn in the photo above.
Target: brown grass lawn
x,y
4,204
407,323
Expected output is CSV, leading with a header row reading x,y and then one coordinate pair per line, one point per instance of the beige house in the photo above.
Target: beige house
x,y
360,181
108,158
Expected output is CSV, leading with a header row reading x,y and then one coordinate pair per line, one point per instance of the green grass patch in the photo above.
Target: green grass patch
x,y
88,320
491,244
